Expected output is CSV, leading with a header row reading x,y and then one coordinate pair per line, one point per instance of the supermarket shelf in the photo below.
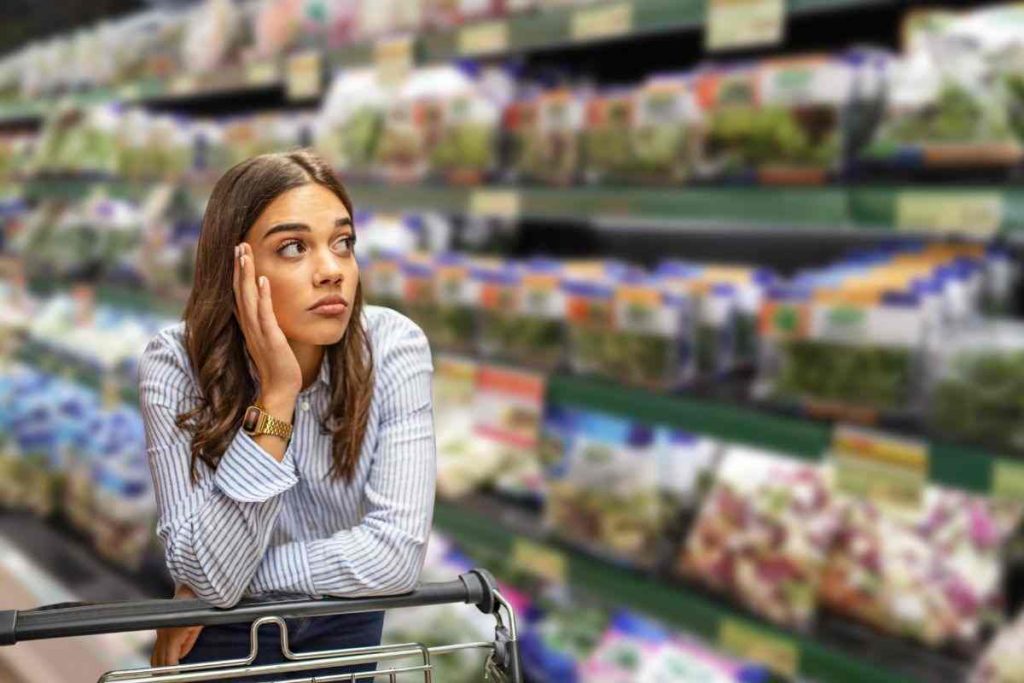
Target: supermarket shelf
x,y
489,527
873,212
526,32
961,467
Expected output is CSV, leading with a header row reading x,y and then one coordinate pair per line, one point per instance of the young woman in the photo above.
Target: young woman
x,y
289,427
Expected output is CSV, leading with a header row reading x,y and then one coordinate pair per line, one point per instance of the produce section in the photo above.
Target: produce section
x,y
726,345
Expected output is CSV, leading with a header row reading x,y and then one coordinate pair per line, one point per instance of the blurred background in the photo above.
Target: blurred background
x,y
724,299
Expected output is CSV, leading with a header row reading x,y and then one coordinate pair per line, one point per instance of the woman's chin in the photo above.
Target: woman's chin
x,y
323,332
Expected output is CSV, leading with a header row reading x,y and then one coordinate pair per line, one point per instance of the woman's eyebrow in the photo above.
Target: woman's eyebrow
x,y
302,227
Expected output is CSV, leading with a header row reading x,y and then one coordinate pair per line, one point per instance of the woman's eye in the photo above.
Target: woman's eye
x,y
288,246
345,245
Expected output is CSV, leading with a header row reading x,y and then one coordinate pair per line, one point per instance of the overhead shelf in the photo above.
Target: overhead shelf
x,y
519,33
923,211
489,528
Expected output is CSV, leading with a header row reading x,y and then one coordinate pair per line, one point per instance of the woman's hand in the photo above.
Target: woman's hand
x,y
280,374
175,642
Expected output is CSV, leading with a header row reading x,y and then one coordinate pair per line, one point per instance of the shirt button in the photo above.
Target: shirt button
x,y
305,406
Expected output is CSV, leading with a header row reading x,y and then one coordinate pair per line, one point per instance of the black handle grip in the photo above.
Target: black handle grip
x,y
475,587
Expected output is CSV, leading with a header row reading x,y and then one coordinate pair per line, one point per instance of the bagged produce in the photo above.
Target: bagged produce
x,y
508,410
456,297
462,467
977,385
521,312
763,535
544,129
932,573
652,338
384,280
212,36
348,129
779,120
605,495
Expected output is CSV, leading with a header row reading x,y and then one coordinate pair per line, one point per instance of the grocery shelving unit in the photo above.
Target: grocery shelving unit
x,y
531,31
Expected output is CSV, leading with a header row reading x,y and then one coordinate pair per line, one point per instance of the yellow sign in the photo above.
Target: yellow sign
x,y
608,21
304,77
483,37
1008,480
878,466
539,560
501,203
977,214
261,73
182,85
732,24
778,653
394,58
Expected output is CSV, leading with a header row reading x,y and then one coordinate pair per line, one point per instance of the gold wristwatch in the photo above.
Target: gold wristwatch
x,y
258,421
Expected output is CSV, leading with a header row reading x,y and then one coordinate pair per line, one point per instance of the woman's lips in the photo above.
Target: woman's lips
x,y
329,310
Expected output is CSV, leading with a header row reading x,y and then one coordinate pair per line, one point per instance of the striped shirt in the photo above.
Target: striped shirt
x,y
254,525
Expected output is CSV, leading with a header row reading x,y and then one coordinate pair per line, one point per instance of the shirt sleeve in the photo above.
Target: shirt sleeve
x,y
215,532
384,553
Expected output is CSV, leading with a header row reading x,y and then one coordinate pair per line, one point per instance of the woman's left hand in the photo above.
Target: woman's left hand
x,y
175,642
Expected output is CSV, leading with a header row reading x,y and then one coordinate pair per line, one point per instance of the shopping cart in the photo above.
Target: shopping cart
x,y
476,587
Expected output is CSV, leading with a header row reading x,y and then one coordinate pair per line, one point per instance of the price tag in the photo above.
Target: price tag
x,y
261,73
304,77
732,24
539,560
878,466
393,58
1008,480
129,91
502,203
483,37
608,21
978,214
183,84
778,653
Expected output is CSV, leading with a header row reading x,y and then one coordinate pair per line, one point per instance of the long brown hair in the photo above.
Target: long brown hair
x,y
214,339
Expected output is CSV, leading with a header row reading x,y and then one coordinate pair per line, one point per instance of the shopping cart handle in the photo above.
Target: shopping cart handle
x,y
476,587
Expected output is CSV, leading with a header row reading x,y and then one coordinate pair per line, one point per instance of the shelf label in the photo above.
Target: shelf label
x,y
261,73
596,23
778,653
304,77
540,560
978,214
183,84
503,203
129,91
393,58
1008,480
483,37
732,24
878,466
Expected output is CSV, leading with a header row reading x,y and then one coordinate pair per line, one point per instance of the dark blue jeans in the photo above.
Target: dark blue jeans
x,y
305,634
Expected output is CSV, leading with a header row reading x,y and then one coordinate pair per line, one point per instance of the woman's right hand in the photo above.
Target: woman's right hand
x,y
279,371
175,642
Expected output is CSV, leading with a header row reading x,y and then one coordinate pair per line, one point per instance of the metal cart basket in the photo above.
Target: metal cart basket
x,y
475,587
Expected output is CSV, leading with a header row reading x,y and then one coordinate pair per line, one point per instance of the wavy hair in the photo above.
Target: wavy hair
x,y
214,339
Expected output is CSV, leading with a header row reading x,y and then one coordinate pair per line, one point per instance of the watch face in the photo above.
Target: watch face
x,y
251,419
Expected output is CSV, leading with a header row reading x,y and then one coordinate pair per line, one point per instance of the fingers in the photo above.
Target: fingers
x,y
268,321
247,288
189,642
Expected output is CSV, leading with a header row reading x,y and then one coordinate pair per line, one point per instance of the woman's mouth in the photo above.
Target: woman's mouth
x,y
329,310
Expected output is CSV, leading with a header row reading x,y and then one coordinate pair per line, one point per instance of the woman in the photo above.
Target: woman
x,y
332,496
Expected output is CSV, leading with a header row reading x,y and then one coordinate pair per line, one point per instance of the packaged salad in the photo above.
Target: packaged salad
x,y
775,121
932,573
763,535
604,495
544,130
348,129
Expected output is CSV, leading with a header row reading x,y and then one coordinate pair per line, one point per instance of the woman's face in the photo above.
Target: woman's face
x,y
303,243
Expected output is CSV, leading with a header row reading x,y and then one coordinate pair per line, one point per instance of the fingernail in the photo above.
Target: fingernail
x,y
263,280
242,261
237,248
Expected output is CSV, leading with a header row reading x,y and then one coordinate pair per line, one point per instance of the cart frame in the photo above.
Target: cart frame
x,y
477,587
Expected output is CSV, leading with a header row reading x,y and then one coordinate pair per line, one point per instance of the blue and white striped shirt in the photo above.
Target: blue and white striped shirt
x,y
255,525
